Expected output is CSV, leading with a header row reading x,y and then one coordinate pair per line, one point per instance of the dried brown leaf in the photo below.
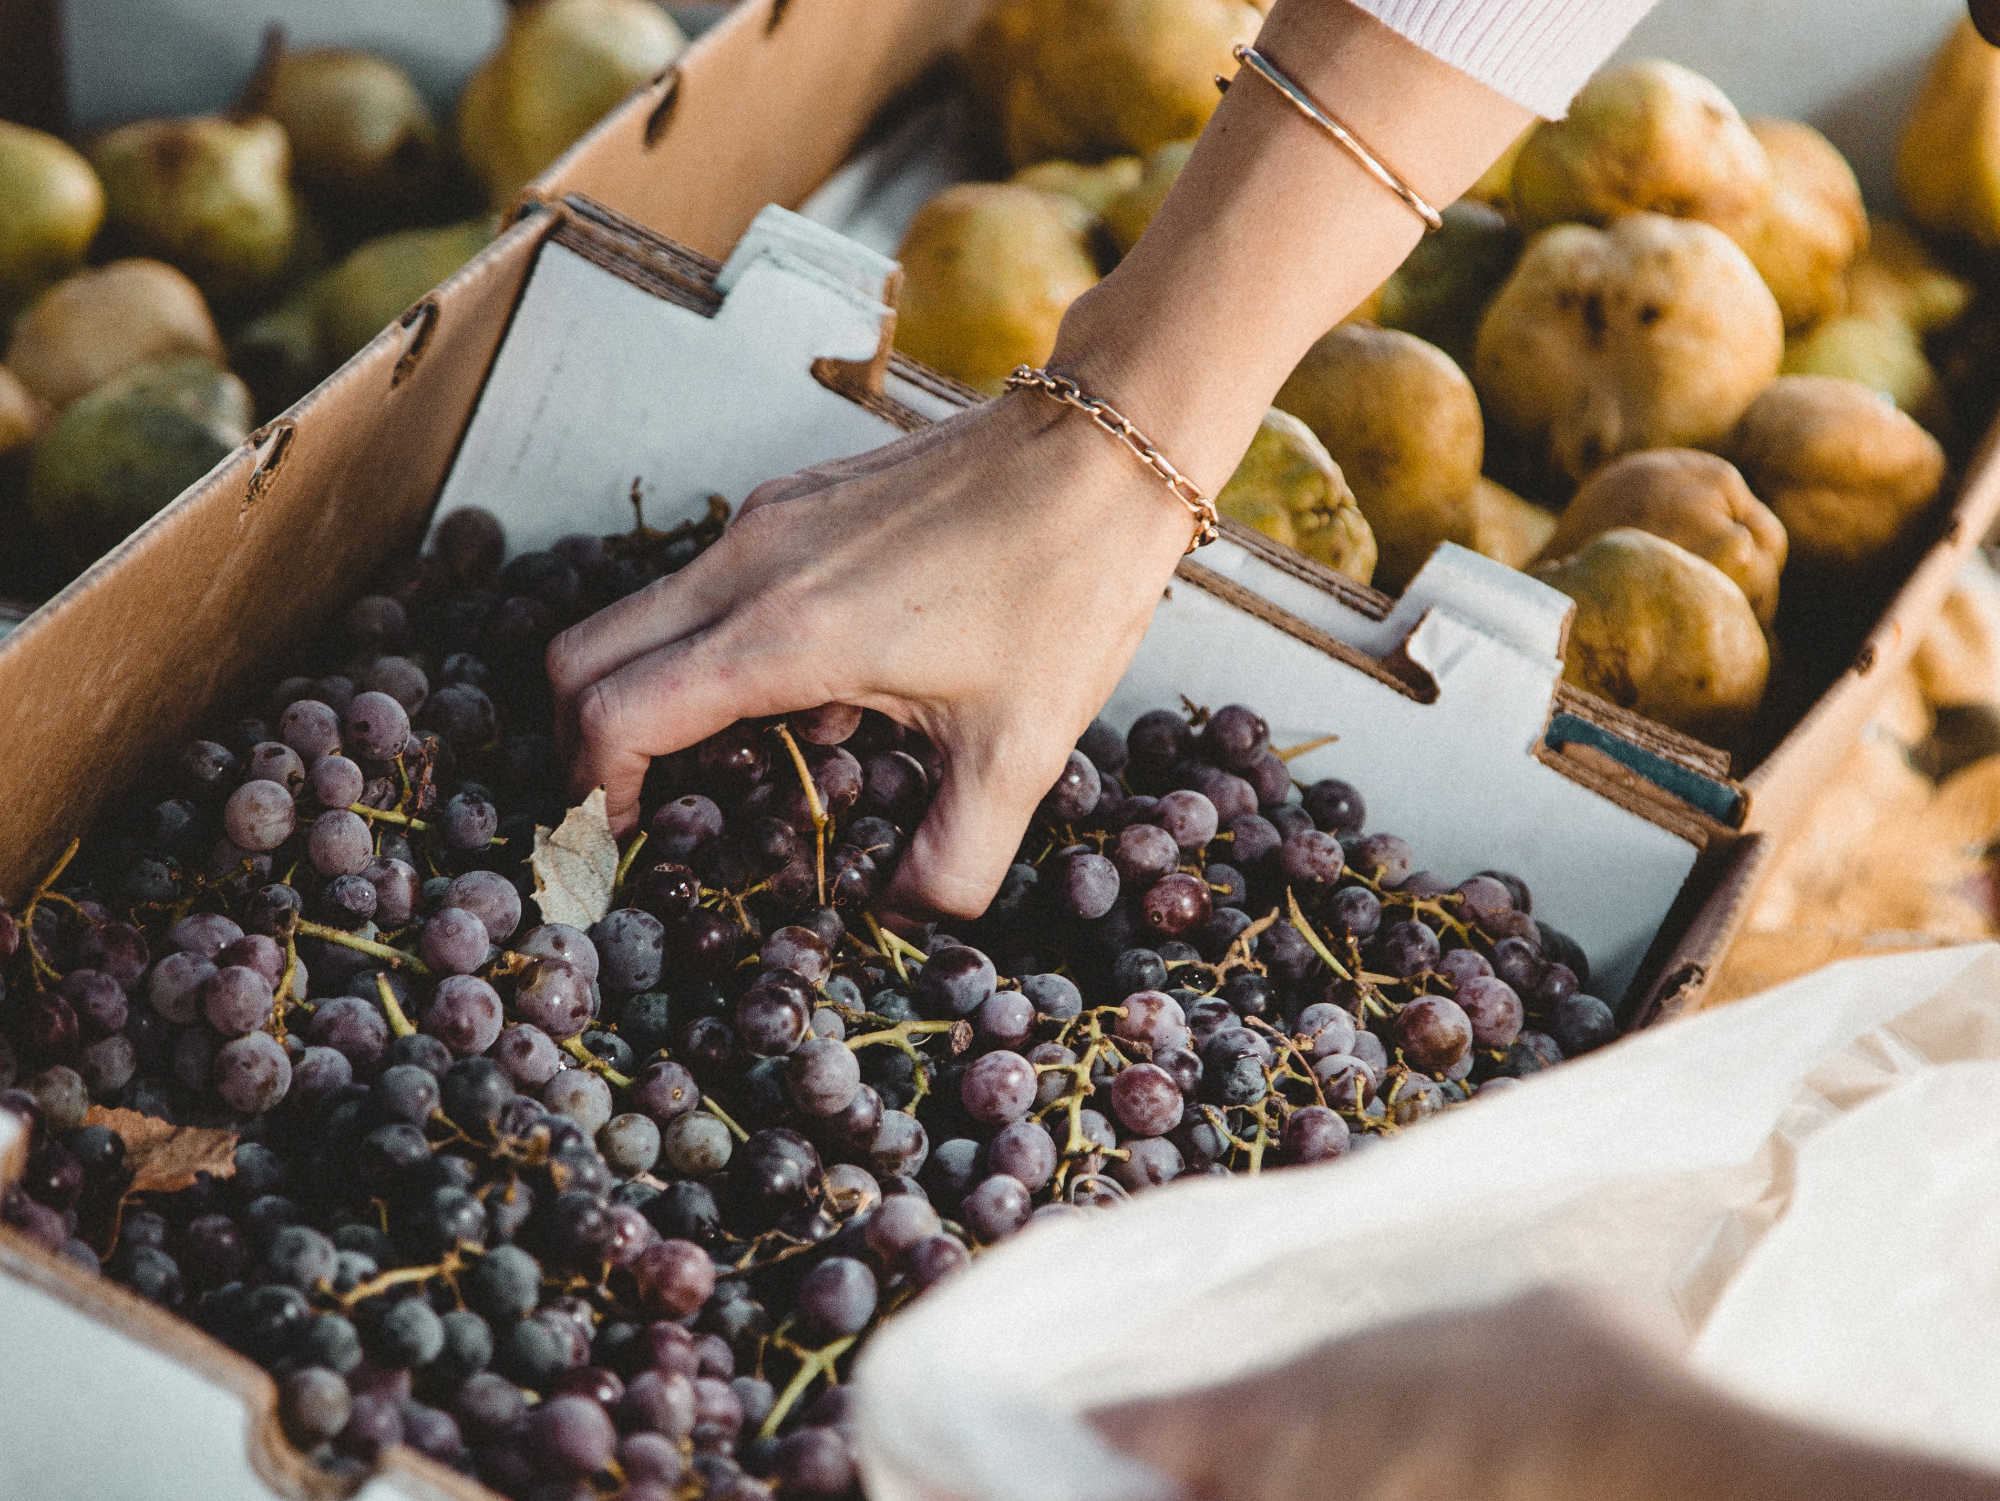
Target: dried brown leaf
x,y
576,865
165,1157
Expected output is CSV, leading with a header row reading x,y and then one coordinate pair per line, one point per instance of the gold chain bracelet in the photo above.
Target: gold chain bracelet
x,y
1207,525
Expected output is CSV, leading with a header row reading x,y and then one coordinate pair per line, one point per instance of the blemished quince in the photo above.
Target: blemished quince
x,y
1845,470
1289,488
1645,136
1090,78
1441,291
1948,159
1127,216
1691,498
1506,527
989,268
1401,421
1882,353
90,326
561,66
50,207
1095,185
1663,632
1653,333
1813,225
117,455
1897,277
211,195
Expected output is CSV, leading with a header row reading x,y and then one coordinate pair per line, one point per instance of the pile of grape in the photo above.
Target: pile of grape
x,y
605,1213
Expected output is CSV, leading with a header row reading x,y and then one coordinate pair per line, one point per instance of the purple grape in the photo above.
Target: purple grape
x,y
1144,852
1006,1019
1493,1008
490,897
259,815
998,1089
822,1075
274,761
335,782
340,844
376,726
236,999
1335,807
1176,904
675,1277
1086,885
1582,1023
571,1436
631,948
996,1207
252,1073
837,1298
454,942
464,1014
1189,818
1146,1099
1386,858
1154,1018
468,823
1310,859
1433,1033
1313,1134
955,982
1075,792
1407,949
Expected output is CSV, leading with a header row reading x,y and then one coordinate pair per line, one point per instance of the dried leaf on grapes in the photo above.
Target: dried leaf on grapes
x,y
576,865
164,1157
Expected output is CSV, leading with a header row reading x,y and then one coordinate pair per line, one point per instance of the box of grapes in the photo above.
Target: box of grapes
x,y
1068,147
373,1116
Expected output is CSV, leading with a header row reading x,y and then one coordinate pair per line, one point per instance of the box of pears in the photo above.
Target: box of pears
x,y
1757,489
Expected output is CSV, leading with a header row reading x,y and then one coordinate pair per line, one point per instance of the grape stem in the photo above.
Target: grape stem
x,y
1291,753
813,1364
399,1024
575,1048
399,957
389,815
625,861
41,965
813,806
382,1282
725,1117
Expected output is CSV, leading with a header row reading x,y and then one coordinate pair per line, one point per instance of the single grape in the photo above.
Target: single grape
x,y
468,823
1582,1023
571,1435
998,1089
313,1405
675,1277
582,1096
252,1073
1189,818
464,1014
259,815
1146,1099
1154,1018
375,725
1310,859
1313,1134
837,1298
274,761
695,1145
1433,1033
955,982
1076,790
1086,885
454,942
995,1207
1407,949
1176,904
1493,1008
822,1075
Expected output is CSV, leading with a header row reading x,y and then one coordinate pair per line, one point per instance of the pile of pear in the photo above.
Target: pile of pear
x,y
1661,355
168,282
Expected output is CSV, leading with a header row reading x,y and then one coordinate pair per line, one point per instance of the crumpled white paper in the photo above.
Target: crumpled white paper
x,y
1804,1187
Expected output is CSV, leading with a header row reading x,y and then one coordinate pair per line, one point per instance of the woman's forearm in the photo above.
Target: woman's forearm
x,y
1274,233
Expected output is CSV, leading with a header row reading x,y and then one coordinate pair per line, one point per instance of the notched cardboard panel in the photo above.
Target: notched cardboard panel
x,y
1440,703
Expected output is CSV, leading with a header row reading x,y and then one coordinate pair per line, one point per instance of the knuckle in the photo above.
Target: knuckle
x,y
600,714
563,661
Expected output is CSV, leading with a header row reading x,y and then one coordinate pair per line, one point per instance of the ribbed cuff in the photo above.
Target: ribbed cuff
x,y
1536,52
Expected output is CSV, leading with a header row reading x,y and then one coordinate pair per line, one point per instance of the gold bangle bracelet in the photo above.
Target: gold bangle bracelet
x,y
1207,525
1301,101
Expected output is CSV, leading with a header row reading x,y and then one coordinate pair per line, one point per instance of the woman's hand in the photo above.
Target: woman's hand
x,y
985,581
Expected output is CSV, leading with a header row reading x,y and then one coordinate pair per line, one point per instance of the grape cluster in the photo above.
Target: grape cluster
x,y
606,1212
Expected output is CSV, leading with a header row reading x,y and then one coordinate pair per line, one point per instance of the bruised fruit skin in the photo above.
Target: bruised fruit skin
x,y
1693,499
360,131
1403,424
1289,488
1654,333
1506,527
1128,215
116,456
1813,225
1090,78
1948,160
51,205
211,195
90,326
561,66
1095,185
988,271
1658,630
1647,136
1845,471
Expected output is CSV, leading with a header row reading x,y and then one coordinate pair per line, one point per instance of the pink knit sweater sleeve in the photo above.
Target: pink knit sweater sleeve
x,y
1536,52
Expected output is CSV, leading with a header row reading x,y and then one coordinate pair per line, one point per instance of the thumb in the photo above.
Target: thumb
x,y
958,856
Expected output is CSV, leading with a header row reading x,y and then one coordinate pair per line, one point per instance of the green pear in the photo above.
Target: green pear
x,y
50,206
379,280
209,194
561,66
116,456
363,140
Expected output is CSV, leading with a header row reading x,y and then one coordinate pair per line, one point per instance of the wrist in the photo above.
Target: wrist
x,y
1196,408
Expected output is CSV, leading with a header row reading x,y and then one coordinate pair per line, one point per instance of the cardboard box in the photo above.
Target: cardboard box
x,y
574,353
794,80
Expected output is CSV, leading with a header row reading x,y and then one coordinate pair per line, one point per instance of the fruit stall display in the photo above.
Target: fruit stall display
x,y
168,283
1661,356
